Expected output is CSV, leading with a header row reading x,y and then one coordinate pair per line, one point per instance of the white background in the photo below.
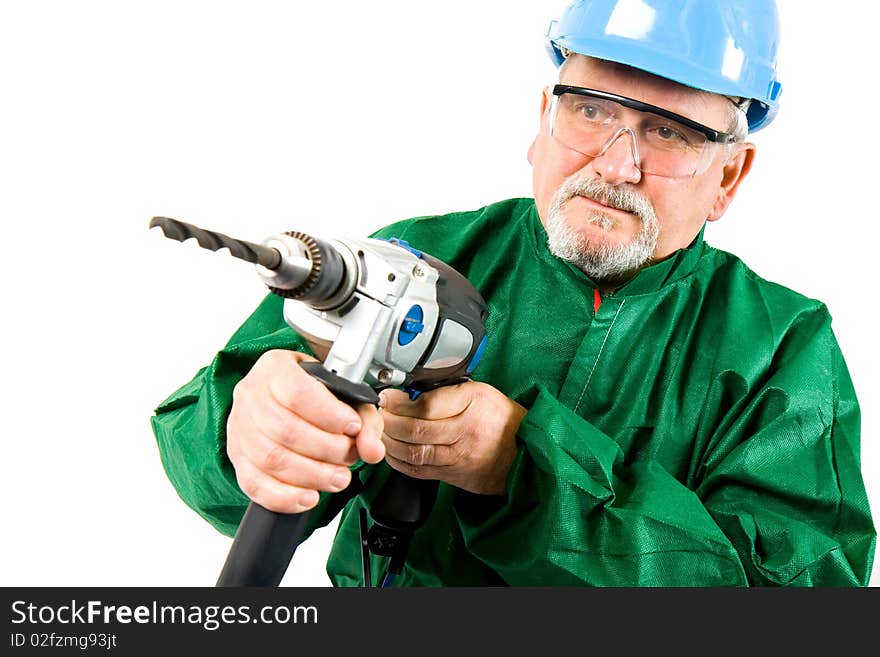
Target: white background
x,y
254,117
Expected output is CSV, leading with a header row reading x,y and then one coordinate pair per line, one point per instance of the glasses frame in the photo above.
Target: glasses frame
x,y
712,135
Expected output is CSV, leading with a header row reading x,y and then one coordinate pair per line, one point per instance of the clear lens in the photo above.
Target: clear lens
x,y
663,147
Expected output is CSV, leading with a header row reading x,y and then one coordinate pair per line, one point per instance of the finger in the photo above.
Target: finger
x,y
437,404
369,441
291,431
294,469
295,389
418,454
415,471
273,494
418,431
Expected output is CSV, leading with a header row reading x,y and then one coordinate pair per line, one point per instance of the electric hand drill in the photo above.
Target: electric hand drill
x,y
376,313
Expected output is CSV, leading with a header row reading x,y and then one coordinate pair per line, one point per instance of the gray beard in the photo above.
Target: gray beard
x,y
601,260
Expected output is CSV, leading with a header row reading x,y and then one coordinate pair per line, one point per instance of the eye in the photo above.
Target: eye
x,y
668,134
591,111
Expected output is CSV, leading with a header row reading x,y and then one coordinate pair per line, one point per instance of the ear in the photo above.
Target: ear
x,y
545,99
545,104
733,173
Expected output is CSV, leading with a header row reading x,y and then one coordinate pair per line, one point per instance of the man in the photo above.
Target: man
x,y
649,412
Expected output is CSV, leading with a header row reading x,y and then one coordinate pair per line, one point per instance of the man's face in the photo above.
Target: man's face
x,y
605,204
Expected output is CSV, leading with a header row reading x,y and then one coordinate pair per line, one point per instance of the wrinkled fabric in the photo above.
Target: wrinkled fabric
x,y
699,428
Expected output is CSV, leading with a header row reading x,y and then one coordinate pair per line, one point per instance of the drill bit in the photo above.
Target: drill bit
x,y
181,231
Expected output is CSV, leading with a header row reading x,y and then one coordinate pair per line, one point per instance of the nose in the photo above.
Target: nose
x,y
618,161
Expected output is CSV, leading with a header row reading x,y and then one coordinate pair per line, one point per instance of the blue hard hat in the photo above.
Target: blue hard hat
x,y
724,46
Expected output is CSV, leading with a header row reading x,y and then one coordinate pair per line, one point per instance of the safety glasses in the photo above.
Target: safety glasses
x,y
663,143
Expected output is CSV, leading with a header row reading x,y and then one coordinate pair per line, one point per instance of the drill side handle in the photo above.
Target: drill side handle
x,y
266,540
263,547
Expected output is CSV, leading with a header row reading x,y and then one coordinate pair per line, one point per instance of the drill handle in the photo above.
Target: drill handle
x,y
266,540
263,547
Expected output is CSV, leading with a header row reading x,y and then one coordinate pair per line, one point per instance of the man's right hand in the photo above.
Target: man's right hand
x,y
288,437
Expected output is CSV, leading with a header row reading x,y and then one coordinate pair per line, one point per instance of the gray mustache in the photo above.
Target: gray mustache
x,y
615,197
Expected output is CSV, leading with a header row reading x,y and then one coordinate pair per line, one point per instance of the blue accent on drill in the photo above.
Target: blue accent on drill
x,y
404,245
478,354
413,394
411,326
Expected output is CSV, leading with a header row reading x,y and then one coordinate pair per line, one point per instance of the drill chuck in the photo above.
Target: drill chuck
x,y
312,270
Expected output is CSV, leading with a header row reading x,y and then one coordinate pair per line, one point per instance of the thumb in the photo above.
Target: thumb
x,y
369,443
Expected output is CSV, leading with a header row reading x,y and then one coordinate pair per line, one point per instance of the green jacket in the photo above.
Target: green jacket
x,y
698,429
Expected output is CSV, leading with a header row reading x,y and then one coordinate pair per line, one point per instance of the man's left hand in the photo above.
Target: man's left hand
x,y
462,434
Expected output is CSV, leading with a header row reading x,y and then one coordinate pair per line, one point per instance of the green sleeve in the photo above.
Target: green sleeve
x,y
786,486
779,499
190,426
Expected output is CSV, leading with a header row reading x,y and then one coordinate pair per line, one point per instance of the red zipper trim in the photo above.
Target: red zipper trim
x,y
597,300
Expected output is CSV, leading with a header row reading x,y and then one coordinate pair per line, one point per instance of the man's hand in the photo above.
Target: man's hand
x,y
462,434
288,437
